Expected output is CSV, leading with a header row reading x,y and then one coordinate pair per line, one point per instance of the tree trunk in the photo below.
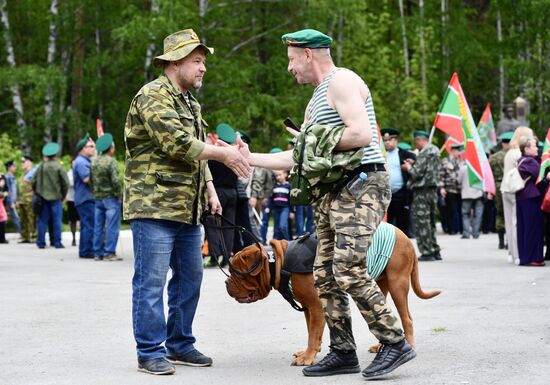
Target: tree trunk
x,y
404,37
339,39
15,92
445,67
151,46
65,60
99,74
48,105
423,65
500,63
78,57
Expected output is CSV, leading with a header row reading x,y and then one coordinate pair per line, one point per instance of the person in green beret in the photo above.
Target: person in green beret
x,y
107,190
449,188
423,181
345,219
50,183
167,186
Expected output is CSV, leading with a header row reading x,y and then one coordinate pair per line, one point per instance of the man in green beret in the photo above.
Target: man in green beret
x,y
50,183
449,189
401,197
83,198
107,191
345,220
167,186
423,182
497,166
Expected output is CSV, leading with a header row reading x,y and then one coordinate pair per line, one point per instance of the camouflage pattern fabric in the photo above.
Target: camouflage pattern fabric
x,y
497,165
321,166
104,178
448,175
345,223
424,217
424,171
25,190
261,185
28,222
164,136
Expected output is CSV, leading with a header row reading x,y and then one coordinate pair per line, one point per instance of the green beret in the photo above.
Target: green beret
x,y
82,142
421,133
404,146
506,136
244,136
9,163
389,132
307,38
50,149
275,150
104,142
457,146
226,133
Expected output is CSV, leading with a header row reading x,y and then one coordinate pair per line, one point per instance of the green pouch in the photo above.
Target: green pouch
x,y
300,187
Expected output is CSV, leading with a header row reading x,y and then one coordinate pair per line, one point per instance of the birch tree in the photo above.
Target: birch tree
x,y
404,38
423,64
49,104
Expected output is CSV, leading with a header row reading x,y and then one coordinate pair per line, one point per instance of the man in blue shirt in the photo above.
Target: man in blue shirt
x,y
13,195
83,198
399,208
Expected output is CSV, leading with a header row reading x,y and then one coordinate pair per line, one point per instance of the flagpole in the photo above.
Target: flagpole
x,y
431,134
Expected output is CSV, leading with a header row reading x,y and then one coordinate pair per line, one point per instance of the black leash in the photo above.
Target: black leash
x,y
218,223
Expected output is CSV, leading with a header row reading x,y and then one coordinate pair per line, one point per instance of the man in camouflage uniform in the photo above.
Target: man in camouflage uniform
x,y
423,182
497,165
105,184
167,186
26,214
449,189
348,216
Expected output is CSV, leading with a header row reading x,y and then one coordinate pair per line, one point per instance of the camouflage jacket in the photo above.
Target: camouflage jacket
x,y
261,185
448,175
497,166
321,165
424,170
104,178
164,136
25,190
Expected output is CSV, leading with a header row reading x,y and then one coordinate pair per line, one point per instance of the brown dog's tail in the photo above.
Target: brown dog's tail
x,y
415,280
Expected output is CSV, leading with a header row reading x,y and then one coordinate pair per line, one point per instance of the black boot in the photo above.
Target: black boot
x,y
388,358
335,362
501,240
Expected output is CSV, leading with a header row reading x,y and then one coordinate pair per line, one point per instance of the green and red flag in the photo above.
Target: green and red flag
x,y
99,128
455,119
545,159
486,130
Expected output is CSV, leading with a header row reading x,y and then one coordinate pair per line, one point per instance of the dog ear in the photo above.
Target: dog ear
x,y
258,253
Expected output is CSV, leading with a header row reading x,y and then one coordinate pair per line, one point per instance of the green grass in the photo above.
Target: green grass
x,y
439,329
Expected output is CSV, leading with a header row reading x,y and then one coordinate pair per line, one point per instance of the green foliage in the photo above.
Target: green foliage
x,y
8,151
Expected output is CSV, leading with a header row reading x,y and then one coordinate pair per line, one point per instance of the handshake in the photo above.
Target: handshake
x,y
235,156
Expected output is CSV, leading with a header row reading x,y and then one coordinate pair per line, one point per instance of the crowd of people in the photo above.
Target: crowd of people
x,y
92,191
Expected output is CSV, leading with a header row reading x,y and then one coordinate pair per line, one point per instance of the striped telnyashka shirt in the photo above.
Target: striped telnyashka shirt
x,y
319,112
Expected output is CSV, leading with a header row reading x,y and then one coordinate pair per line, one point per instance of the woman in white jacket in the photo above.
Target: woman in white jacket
x,y
509,196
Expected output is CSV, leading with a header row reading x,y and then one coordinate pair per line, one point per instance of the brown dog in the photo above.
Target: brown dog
x,y
251,281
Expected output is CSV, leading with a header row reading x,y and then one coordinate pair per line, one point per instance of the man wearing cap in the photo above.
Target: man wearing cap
x,y
28,222
107,191
51,183
423,182
167,186
11,202
497,166
401,196
83,197
449,188
345,221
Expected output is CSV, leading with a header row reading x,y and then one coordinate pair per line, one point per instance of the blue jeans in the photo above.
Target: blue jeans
x,y
12,214
159,245
467,206
280,217
51,210
304,213
106,226
86,211
265,223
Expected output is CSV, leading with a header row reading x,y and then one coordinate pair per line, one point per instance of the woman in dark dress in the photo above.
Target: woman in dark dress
x,y
530,219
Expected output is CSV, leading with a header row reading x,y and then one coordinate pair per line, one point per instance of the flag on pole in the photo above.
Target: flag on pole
x,y
448,143
486,129
545,159
99,128
455,119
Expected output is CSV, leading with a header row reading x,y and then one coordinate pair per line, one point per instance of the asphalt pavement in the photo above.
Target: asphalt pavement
x,y
65,320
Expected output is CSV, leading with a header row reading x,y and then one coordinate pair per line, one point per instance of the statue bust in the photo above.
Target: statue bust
x,y
507,121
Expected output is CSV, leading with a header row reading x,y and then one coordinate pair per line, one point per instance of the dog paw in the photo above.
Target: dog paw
x,y
375,348
303,358
298,354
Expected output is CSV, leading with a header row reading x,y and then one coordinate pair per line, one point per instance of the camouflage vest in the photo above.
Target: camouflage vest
x,y
424,171
164,135
104,178
25,190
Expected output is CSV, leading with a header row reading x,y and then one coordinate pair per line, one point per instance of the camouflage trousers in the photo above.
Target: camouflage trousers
x,y
345,224
499,225
28,223
424,217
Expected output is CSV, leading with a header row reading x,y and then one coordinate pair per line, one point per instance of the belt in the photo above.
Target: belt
x,y
366,167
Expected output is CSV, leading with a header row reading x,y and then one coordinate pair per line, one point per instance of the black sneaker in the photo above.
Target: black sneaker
x,y
426,258
193,358
437,256
335,362
388,358
156,366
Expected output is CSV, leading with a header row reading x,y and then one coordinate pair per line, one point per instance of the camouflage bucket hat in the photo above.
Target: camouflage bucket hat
x,y
178,45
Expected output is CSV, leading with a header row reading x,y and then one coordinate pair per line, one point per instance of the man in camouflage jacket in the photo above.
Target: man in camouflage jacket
x,y
105,184
28,221
449,189
497,166
167,186
423,182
